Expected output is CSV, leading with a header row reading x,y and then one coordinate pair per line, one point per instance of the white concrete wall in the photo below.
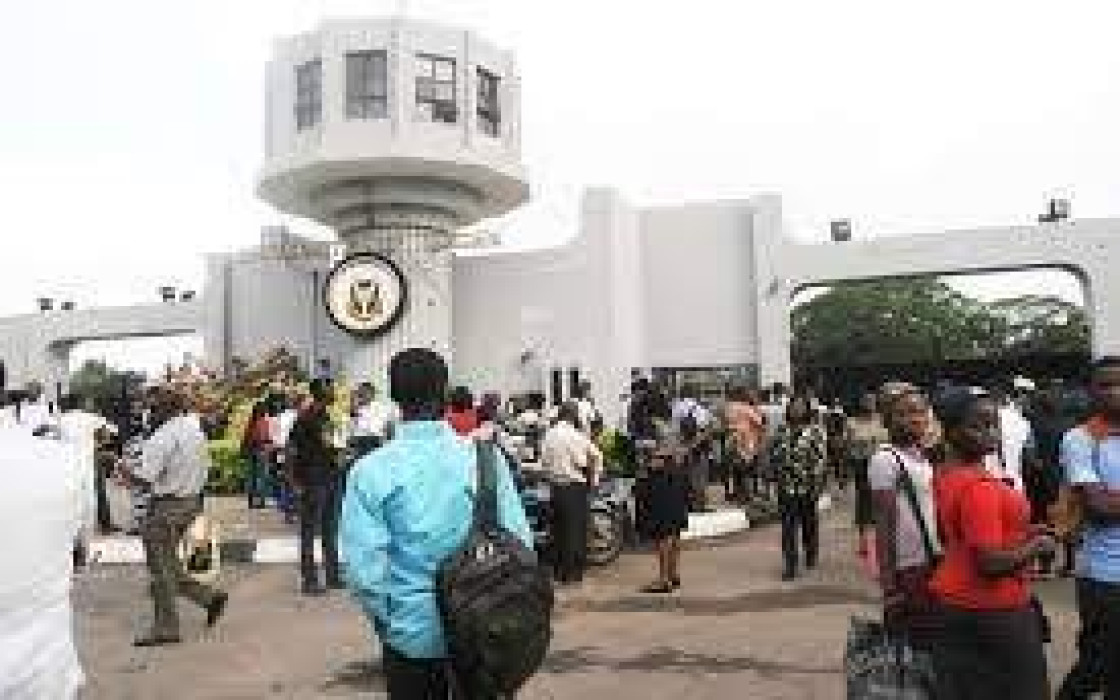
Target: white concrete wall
x,y
36,347
667,287
1090,248
698,285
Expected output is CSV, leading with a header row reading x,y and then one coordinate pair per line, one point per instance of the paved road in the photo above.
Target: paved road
x,y
734,631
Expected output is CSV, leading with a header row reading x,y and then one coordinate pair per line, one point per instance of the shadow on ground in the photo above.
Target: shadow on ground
x,y
357,676
669,660
759,602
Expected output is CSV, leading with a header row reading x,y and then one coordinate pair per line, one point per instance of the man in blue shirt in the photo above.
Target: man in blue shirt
x,y
408,507
1090,455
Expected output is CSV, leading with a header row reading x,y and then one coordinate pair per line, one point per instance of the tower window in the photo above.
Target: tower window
x,y
309,94
489,105
435,89
367,85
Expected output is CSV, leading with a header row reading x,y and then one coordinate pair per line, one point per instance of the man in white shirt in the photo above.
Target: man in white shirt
x,y
573,464
174,464
42,508
585,404
372,421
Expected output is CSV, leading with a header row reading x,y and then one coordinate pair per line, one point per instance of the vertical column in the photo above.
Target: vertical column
x,y
772,291
427,318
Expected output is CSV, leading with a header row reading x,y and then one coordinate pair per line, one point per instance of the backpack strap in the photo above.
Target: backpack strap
x,y
906,482
485,516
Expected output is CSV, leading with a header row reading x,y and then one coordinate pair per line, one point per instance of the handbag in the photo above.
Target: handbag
x,y
879,665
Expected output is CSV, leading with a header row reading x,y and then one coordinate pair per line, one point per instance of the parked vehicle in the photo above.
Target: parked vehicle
x,y
610,517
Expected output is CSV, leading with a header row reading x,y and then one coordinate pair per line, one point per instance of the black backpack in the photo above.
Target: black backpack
x,y
495,599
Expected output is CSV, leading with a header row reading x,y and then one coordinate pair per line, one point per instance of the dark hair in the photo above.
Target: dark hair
x,y
954,405
802,399
320,389
568,413
418,379
461,399
1103,363
488,412
739,393
68,402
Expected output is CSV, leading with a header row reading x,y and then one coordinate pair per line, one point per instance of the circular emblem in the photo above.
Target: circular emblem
x,y
365,294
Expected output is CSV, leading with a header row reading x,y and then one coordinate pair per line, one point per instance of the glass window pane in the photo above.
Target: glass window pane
x,y
445,70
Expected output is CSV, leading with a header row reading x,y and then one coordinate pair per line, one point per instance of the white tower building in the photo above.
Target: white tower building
x,y
397,134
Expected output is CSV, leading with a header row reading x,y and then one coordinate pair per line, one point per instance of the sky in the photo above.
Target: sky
x,y
132,130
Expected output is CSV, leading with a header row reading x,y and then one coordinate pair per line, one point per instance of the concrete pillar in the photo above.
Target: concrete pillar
x,y
773,291
426,321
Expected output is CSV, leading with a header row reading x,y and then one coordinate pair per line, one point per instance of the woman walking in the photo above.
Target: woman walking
x,y
865,435
990,640
900,478
668,484
799,464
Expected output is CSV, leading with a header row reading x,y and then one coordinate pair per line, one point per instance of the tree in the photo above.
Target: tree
x,y
1043,324
893,321
98,382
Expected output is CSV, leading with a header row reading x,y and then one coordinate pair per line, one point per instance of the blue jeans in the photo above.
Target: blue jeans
x,y
257,486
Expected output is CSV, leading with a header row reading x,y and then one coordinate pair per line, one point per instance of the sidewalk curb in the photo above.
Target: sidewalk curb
x,y
285,549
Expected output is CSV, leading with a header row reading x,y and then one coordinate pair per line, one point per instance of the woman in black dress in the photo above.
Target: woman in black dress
x,y
668,480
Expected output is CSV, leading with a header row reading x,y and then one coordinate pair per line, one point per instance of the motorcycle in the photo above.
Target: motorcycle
x,y
607,528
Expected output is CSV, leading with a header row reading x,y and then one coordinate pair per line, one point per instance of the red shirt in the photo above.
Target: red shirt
x,y
463,422
975,512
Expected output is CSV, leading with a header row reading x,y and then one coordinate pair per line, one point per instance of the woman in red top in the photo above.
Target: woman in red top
x,y
990,644
461,414
256,446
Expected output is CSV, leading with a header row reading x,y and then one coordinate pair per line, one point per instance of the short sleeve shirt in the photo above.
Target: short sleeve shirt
x,y
978,512
883,475
175,460
1086,460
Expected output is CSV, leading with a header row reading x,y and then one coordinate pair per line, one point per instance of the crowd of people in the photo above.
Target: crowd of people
x,y
963,498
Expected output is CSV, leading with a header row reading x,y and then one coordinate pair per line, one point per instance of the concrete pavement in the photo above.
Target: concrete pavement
x,y
734,631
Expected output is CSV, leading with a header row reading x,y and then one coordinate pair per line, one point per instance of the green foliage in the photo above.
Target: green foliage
x,y
617,459
925,320
228,468
103,385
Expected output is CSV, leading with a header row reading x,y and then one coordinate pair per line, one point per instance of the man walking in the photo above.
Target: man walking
x,y
408,507
1090,455
573,464
173,463
313,471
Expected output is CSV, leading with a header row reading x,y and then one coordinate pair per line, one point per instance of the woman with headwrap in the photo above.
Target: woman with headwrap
x,y
989,637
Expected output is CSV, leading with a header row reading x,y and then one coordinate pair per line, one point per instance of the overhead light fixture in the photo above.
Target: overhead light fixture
x,y
1056,210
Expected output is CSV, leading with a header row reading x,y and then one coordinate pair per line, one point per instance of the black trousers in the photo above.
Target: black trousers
x,y
417,679
1098,643
799,513
571,511
988,654
320,506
